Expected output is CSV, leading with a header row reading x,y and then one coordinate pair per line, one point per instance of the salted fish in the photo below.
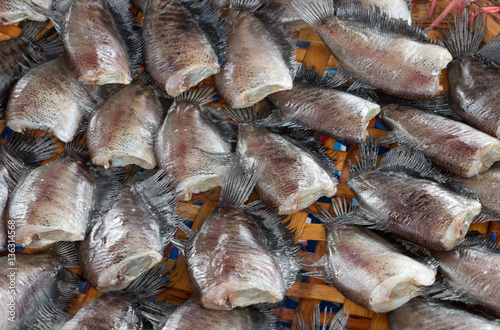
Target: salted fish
x,y
299,172
120,310
183,43
380,52
187,137
452,145
367,269
50,97
337,322
260,55
192,315
421,313
471,272
396,9
12,11
122,131
39,287
313,103
242,255
408,197
131,226
474,75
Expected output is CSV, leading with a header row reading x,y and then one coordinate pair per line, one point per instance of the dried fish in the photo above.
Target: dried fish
x,y
187,138
12,11
379,52
452,145
260,54
473,73
396,9
422,313
50,97
133,225
184,43
337,322
299,172
366,268
408,197
242,255
123,129
312,103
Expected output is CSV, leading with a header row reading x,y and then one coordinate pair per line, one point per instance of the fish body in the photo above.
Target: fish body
x,y
422,313
12,11
123,129
42,208
397,9
452,145
178,54
50,97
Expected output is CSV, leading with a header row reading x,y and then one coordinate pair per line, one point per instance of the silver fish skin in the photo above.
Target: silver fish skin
x,y
370,271
452,145
406,196
422,313
255,66
386,54
186,131
50,97
122,131
12,11
192,315
178,54
294,178
474,272
41,208
333,113
397,9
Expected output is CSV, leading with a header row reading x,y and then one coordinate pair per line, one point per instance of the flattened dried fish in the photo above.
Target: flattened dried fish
x,y
133,225
408,197
123,129
473,74
380,52
12,11
183,43
242,255
452,145
260,55
312,103
50,97
367,269
187,133
298,173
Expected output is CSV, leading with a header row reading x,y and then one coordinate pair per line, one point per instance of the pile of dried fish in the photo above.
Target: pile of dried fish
x,y
128,155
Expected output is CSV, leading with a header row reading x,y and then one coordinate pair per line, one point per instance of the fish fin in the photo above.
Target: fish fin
x,y
261,316
198,95
61,6
67,254
359,87
322,215
209,18
270,16
180,244
32,147
47,44
337,322
155,312
367,159
315,12
315,147
247,5
142,5
443,290
159,193
130,33
310,76
439,105
77,147
491,51
465,38
188,231
478,241
150,283
390,138
55,17
223,158
219,120
486,215
248,115
16,169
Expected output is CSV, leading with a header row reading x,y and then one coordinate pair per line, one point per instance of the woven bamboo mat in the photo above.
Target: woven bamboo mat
x,y
306,292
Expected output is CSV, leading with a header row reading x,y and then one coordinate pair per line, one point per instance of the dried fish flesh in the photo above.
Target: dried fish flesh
x,y
12,11
380,52
260,55
452,145
123,129
242,255
133,225
298,172
183,43
313,103
408,197
186,136
50,97
473,74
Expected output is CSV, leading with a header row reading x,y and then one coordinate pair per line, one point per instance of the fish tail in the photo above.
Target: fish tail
x,y
198,95
261,317
465,38
491,51
150,283
439,105
67,254
248,5
54,16
248,115
315,12
475,239
367,159
336,322
32,146
77,147
309,75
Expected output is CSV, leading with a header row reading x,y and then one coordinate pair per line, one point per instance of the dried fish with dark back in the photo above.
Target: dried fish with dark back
x,y
12,11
